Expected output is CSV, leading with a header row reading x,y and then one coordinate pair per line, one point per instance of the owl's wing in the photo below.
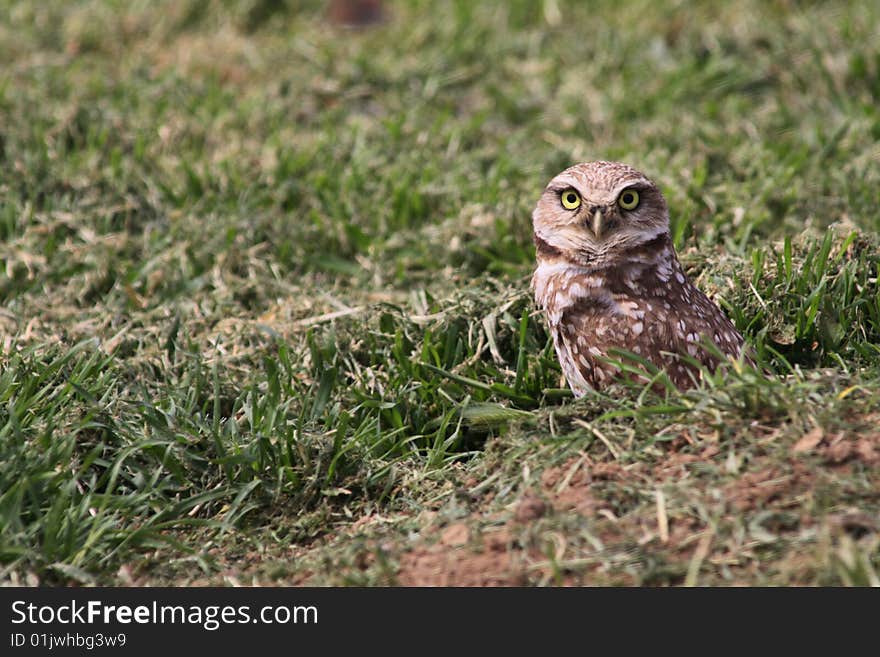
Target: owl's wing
x,y
665,331
697,330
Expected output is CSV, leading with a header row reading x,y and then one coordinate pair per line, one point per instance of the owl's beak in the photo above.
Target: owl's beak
x,y
597,224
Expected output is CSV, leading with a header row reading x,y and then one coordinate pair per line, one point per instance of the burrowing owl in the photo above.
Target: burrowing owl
x,y
608,276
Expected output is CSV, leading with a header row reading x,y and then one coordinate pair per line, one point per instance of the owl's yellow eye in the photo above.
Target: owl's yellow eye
x,y
571,200
629,199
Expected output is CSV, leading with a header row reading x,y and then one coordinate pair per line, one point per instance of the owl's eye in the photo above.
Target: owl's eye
x,y
629,199
571,200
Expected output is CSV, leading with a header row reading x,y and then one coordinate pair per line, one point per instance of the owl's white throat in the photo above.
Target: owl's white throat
x,y
593,258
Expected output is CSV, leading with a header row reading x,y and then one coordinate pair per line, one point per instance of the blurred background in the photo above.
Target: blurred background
x,y
357,150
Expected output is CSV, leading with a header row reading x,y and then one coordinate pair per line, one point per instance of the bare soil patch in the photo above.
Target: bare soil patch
x,y
494,562
647,543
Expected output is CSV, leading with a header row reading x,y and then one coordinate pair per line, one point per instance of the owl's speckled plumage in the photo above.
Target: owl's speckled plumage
x,y
609,277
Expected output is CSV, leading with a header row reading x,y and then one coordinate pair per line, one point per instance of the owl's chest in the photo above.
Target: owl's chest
x,y
615,317
595,297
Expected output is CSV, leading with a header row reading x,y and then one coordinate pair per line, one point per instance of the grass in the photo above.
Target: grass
x,y
265,308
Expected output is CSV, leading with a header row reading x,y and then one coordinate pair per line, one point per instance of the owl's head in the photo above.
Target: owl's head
x,y
593,210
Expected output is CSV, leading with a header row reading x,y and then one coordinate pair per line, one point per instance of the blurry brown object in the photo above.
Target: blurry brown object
x,y
356,13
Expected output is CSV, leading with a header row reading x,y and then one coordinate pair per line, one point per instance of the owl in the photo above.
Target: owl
x,y
607,277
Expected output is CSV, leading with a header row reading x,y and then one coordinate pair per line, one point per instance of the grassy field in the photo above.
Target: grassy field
x,y
264,299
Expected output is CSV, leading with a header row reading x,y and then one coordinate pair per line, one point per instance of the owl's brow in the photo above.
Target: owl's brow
x,y
559,187
639,184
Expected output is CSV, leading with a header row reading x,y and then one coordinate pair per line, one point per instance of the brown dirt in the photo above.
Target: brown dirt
x,y
754,490
638,541
495,564
844,453
568,486
496,558
866,450
840,447
531,507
